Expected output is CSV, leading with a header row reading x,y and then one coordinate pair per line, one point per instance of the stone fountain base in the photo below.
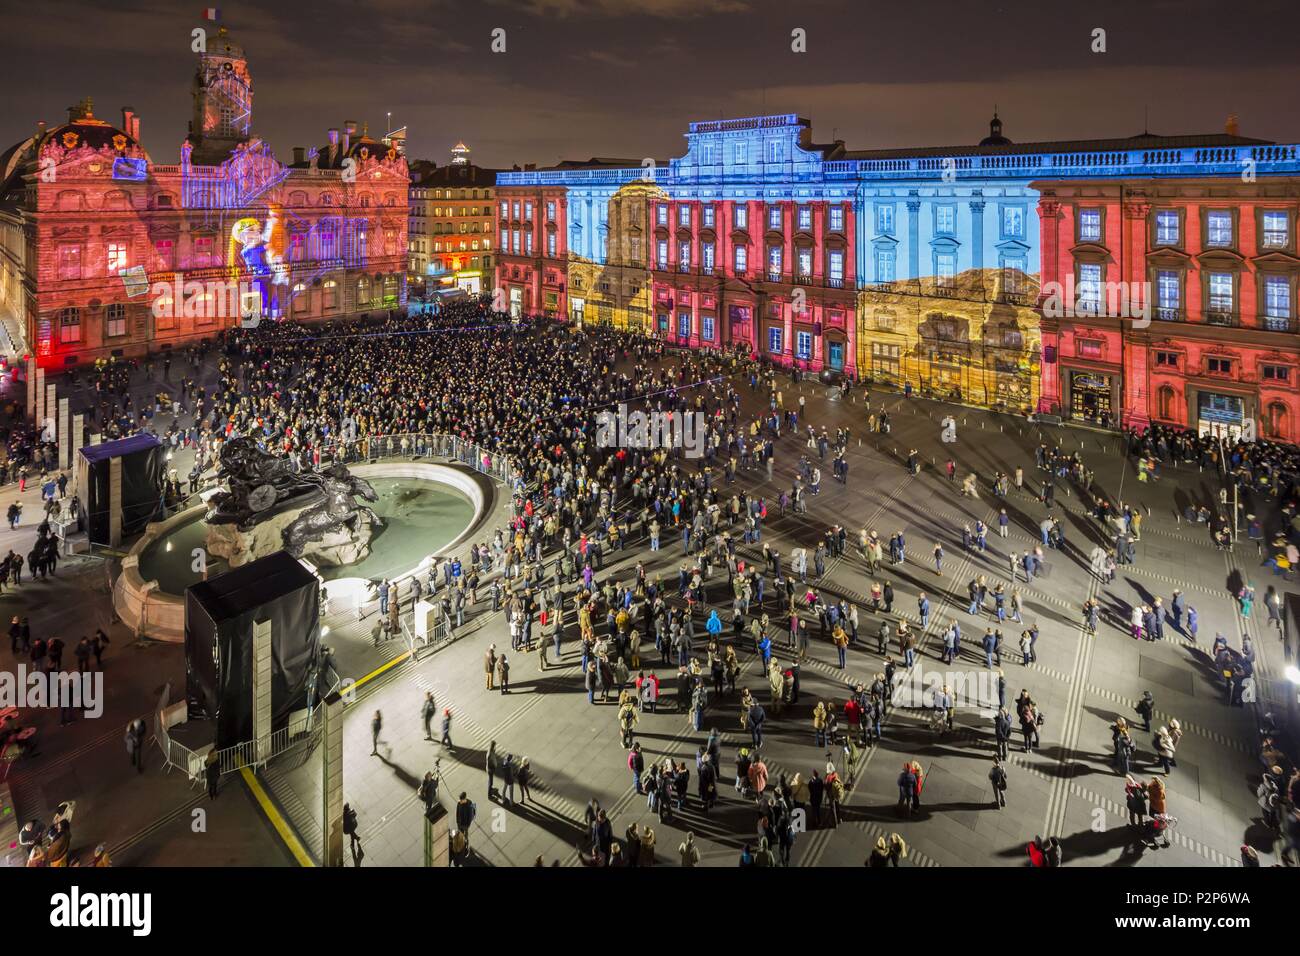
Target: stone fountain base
x,y
338,548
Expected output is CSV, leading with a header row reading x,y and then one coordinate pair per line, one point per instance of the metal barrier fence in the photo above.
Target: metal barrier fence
x,y
438,637
303,729
413,445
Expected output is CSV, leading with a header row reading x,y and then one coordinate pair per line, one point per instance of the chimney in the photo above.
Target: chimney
x,y
349,130
299,155
127,115
1231,127
40,128
334,136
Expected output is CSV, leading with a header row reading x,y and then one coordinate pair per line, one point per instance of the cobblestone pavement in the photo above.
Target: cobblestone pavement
x,y
1082,682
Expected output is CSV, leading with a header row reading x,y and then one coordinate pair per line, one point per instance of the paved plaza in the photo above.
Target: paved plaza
x,y
1068,788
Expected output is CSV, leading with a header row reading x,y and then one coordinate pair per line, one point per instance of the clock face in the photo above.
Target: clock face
x,y
95,167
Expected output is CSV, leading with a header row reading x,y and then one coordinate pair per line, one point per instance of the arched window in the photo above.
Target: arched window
x,y
331,294
363,289
299,297
1165,402
71,200
1277,422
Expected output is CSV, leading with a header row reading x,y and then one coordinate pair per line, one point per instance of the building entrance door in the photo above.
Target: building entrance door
x,y
1090,396
1219,415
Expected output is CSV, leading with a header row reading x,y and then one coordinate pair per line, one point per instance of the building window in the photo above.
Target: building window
x,y
117,257
885,220
115,320
706,254
1276,230
1218,366
836,267
662,253
514,241
1090,348
661,214
774,218
774,343
514,209
550,211
505,240
1013,222
1169,295
1013,271
1089,225
774,151
837,218
742,216
683,325
1218,228
300,297
1167,360
884,265
739,154
945,220
945,268
803,345
1090,288
1277,303
69,262
1219,306
528,211
550,244
70,326
706,215
742,259
505,210
805,218
1275,373
331,294
706,327
774,261
684,216
1167,228
528,243
684,255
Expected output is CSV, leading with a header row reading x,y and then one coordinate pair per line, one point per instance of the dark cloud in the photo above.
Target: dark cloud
x,y
624,77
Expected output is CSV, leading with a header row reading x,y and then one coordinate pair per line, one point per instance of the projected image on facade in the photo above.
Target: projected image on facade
x,y
257,254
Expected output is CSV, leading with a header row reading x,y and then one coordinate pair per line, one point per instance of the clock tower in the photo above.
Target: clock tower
x,y
223,101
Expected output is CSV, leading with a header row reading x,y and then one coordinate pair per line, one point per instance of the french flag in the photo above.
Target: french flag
x,y
211,13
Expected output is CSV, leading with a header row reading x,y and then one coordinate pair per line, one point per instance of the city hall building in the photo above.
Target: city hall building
x,y
105,252
930,267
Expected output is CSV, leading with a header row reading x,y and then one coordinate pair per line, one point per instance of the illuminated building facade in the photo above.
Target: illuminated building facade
x,y
451,224
123,256
1207,338
915,266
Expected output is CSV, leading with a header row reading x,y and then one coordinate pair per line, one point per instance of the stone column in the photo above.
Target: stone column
x,y
114,501
52,407
977,233
38,408
262,689
78,437
332,780
65,435
913,239
31,388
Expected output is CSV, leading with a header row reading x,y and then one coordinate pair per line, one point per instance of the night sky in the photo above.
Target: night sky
x,y
624,77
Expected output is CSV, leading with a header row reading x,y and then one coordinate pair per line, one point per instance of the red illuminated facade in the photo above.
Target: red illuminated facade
x,y
1212,263
532,250
92,227
756,274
